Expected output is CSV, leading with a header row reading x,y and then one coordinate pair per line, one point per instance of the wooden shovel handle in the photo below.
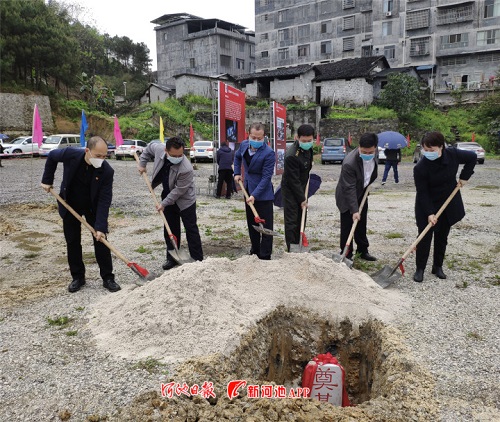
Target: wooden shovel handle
x,y
155,199
92,230
428,227
354,225
304,212
255,213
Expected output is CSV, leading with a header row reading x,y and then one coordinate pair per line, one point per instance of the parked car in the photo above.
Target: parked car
x,y
381,155
21,145
129,147
202,150
334,150
472,146
111,150
59,141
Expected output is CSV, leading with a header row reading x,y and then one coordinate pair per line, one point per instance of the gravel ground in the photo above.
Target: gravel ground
x,y
53,372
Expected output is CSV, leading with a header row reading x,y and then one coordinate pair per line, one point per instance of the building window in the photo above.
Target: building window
x,y
240,64
386,28
486,58
326,27
252,50
252,68
348,23
303,50
303,12
241,46
264,37
488,37
303,31
225,61
367,22
264,3
165,36
282,15
192,63
326,47
390,52
283,53
326,7
418,19
284,35
455,14
388,6
264,54
348,44
491,8
455,40
264,18
348,4
225,42
367,51
453,61
420,47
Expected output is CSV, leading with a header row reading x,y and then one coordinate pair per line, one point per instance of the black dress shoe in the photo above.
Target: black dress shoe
x,y
169,264
419,275
76,285
111,285
367,257
439,272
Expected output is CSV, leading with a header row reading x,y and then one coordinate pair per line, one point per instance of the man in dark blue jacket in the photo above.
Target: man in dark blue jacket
x,y
87,187
225,162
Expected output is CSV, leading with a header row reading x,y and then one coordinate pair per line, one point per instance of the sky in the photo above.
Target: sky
x,y
132,18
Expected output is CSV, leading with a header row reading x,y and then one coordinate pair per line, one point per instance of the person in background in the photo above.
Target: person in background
x,y
174,172
435,177
359,170
258,161
87,187
225,163
1,152
392,158
297,166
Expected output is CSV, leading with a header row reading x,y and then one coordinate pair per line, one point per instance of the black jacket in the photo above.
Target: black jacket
x,y
297,165
101,187
393,155
224,157
435,180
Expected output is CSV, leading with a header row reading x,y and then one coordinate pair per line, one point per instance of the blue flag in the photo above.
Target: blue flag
x,y
83,128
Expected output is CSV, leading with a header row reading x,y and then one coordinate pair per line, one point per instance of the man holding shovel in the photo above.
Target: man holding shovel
x,y
258,161
297,166
87,187
174,172
359,170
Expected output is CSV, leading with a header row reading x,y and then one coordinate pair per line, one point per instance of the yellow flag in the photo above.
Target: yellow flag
x,y
162,138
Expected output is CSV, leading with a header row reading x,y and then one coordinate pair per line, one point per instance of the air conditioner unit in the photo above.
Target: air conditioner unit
x,y
388,14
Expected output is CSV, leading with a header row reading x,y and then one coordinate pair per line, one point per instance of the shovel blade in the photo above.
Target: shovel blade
x,y
342,259
385,276
299,248
268,232
180,256
144,274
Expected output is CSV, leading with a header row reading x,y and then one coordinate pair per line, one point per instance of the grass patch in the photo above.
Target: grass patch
x,y
238,210
59,322
142,249
474,335
144,231
80,308
88,257
31,255
151,365
464,285
72,333
230,255
202,203
394,236
117,212
486,187
486,205
496,280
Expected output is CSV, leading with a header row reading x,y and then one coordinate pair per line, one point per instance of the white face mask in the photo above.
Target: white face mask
x,y
96,162
174,160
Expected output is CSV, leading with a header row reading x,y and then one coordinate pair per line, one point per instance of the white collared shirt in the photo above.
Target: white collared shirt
x,y
368,167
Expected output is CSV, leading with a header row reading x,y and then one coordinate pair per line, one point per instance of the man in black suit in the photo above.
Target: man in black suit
x,y
87,187
359,170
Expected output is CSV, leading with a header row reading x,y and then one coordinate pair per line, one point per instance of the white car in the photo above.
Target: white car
x,y
21,145
129,147
472,146
381,155
202,150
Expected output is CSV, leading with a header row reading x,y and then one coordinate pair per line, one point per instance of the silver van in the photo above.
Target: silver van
x,y
59,141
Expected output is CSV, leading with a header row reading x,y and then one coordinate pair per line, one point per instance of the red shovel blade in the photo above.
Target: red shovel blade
x,y
304,239
140,271
402,268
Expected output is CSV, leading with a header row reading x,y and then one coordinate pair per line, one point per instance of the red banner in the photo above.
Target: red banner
x,y
231,115
279,124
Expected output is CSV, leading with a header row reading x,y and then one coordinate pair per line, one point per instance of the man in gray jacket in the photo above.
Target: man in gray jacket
x,y
174,172
359,170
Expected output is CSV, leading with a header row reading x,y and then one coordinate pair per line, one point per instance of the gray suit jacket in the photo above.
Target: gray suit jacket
x,y
180,176
350,189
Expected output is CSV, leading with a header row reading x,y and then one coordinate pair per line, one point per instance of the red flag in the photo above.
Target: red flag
x,y
37,132
349,139
473,136
318,140
117,133
191,135
408,140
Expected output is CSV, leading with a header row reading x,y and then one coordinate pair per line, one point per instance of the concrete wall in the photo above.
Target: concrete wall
x,y
187,84
346,92
16,112
342,127
155,95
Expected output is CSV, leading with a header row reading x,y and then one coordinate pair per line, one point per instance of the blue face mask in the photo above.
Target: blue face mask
x,y
306,145
431,155
256,144
174,160
367,157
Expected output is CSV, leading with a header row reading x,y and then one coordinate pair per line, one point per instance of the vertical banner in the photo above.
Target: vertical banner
x,y
279,126
231,115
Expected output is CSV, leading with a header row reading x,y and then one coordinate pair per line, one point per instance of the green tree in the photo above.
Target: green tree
x,y
403,95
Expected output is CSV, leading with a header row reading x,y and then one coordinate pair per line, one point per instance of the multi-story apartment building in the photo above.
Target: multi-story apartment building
x,y
188,44
457,42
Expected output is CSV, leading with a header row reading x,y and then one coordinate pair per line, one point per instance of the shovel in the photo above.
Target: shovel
x,y
136,268
260,228
180,256
303,245
387,275
342,258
